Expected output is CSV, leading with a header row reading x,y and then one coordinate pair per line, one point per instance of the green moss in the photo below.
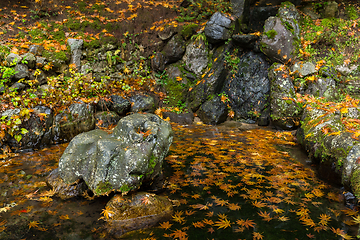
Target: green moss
x,y
103,188
355,182
125,188
271,34
188,30
92,44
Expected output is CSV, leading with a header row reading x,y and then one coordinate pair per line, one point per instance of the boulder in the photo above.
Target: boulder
x,y
78,118
120,161
212,82
237,8
245,40
63,190
196,56
285,114
180,118
291,17
217,29
277,42
331,9
158,62
75,46
119,105
13,58
142,103
36,50
174,49
213,111
258,16
137,211
303,69
323,136
248,88
21,71
322,87
106,119
30,60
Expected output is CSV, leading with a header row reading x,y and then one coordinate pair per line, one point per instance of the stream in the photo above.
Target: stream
x,y
233,181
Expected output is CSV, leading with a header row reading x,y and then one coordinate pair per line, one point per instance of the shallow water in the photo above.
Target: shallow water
x,y
227,182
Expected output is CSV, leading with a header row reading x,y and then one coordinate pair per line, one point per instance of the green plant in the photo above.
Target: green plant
x,y
351,12
232,60
271,34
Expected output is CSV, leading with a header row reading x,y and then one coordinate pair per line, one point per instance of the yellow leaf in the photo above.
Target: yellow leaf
x,y
344,110
109,10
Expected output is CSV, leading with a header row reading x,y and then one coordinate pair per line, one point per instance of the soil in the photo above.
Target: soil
x,y
26,14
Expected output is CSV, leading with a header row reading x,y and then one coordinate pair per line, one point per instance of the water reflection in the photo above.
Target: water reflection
x,y
227,182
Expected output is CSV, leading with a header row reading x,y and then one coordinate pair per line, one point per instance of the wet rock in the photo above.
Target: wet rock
x,y
181,118
30,59
36,50
249,87
13,58
331,9
258,16
78,118
174,49
105,119
38,126
291,17
245,40
237,8
76,46
346,70
217,29
213,111
303,69
22,71
18,86
322,87
212,82
41,61
285,114
63,190
334,147
277,41
142,103
120,161
137,211
119,105
158,62
196,56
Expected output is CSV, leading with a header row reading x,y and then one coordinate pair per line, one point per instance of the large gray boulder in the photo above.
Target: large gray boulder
x,y
217,29
120,161
285,114
249,87
196,56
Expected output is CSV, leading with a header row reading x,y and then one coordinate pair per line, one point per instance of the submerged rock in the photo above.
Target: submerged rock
x,y
137,211
120,161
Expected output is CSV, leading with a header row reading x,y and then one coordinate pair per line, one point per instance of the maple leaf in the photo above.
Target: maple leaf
x,y
165,225
245,223
198,224
179,234
64,217
257,236
33,224
178,217
107,213
223,222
